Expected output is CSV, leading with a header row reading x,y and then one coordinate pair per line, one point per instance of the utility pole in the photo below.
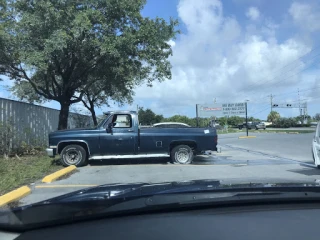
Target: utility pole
x,y
271,100
247,117
300,109
197,116
214,117
306,109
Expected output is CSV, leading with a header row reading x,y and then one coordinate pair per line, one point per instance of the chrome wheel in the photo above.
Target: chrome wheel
x,y
182,155
72,156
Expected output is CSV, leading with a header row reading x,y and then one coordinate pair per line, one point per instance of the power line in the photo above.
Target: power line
x,y
300,58
306,64
260,111
303,90
294,74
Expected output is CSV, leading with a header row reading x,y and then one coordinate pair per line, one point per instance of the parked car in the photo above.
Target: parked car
x,y
260,125
119,136
171,125
244,125
253,125
316,146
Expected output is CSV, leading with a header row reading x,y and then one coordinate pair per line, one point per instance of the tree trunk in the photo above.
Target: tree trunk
x,y
63,115
93,114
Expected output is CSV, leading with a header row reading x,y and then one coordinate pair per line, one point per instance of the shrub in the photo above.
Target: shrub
x,y
6,138
11,144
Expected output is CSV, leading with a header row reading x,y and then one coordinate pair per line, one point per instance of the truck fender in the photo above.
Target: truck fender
x,y
73,141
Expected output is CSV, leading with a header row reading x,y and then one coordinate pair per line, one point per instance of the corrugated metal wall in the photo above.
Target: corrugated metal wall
x,y
33,123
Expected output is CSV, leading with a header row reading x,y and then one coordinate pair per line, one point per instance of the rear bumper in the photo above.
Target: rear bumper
x,y
50,152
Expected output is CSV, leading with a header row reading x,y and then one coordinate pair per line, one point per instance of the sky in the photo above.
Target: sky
x,y
233,51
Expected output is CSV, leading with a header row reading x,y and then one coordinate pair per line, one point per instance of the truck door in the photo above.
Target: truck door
x,y
122,139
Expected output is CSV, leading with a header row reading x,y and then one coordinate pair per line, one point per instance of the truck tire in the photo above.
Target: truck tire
x,y
182,154
73,155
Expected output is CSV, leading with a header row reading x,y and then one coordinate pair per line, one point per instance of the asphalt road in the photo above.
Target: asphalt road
x,y
269,156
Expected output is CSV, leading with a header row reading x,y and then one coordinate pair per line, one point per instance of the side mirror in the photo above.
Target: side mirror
x,y
109,128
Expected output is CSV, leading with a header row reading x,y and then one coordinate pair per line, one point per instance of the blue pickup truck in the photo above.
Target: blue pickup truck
x,y
119,136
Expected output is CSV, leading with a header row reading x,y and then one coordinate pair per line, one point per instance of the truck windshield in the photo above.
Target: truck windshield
x,y
122,91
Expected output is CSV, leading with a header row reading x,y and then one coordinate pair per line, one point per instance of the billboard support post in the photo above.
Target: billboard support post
x,y
247,118
197,117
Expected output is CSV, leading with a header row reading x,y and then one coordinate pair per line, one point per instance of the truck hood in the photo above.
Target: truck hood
x,y
73,130
69,132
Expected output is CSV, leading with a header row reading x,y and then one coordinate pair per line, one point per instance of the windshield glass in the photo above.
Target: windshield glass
x,y
192,90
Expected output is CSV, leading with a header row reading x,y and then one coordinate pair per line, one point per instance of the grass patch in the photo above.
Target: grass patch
x,y
16,172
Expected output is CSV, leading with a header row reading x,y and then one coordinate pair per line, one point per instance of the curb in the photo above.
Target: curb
x,y
54,176
248,137
14,195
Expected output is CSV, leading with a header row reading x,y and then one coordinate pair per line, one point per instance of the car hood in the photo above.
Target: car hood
x,y
112,191
119,199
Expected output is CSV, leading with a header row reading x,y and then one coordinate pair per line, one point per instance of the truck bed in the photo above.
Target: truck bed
x,y
162,138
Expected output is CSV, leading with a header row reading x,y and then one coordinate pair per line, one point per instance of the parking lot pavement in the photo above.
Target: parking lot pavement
x,y
291,146
269,156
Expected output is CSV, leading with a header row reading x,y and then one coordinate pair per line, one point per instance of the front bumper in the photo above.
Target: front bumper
x,y
50,152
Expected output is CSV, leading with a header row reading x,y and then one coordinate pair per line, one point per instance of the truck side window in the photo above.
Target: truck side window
x,y
123,121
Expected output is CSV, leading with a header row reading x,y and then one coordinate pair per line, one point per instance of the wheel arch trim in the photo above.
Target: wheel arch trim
x,y
75,141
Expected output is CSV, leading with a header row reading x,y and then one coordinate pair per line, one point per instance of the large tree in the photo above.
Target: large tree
x,y
60,47
98,96
273,116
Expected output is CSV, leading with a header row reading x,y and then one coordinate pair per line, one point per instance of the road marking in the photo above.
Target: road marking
x,y
271,156
66,186
247,137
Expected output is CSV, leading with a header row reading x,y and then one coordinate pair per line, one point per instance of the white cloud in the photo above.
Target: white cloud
x,y
219,58
306,16
171,43
253,13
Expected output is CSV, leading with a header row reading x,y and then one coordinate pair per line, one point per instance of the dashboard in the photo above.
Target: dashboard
x,y
283,221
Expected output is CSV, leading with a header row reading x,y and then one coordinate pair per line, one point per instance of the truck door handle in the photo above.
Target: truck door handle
x,y
130,130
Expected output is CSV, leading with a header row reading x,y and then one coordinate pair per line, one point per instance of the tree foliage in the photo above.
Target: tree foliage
x,y
62,48
148,117
100,94
317,117
273,116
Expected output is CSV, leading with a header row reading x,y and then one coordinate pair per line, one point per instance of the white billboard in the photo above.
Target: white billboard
x,y
221,109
